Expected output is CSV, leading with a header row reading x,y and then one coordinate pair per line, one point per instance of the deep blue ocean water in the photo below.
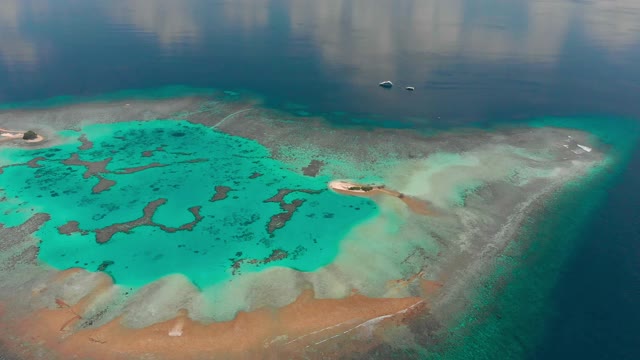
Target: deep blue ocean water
x,y
473,62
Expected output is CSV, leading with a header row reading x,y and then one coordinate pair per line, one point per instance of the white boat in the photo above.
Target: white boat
x,y
410,88
386,84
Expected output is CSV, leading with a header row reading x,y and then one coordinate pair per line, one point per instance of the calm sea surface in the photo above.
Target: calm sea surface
x,y
471,62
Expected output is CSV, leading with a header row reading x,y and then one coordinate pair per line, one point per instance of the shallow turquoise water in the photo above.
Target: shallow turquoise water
x,y
195,159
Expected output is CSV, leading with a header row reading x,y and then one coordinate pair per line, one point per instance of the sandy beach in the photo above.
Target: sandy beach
x,y
351,188
17,135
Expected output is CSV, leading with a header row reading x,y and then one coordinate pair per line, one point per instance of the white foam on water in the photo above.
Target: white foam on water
x,y
585,148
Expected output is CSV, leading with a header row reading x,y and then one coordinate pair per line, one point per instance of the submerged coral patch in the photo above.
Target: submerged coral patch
x,y
158,212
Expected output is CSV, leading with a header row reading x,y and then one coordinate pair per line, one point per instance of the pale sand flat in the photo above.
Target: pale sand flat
x,y
12,134
346,188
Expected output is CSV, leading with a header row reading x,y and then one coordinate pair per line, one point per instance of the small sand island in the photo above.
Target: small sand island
x,y
28,136
351,188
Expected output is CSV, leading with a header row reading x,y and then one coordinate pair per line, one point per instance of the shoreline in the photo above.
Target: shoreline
x,y
8,135
344,187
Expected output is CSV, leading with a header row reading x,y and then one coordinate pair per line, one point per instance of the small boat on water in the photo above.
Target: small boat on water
x,y
386,84
410,88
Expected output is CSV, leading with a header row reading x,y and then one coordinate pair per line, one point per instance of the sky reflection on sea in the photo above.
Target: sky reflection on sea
x,y
468,59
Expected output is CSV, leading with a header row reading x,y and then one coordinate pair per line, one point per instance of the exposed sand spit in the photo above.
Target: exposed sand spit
x,y
351,188
17,135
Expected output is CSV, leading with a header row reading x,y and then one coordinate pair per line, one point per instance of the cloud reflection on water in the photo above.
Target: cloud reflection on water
x,y
509,48
171,22
614,25
367,35
411,40
368,32
15,48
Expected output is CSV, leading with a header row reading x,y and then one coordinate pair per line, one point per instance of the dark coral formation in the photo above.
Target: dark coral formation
x,y
255,175
86,143
33,163
149,153
279,197
313,168
278,221
104,265
298,251
276,255
99,168
105,234
93,167
222,192
193,161
136,169
102,185
71,227
195,211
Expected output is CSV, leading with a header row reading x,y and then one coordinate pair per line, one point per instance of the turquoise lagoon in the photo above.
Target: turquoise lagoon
x,y
186,165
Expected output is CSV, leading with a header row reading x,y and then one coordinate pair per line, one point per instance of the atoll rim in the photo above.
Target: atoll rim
x,y
164,224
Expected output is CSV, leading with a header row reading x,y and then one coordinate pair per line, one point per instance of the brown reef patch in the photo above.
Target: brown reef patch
x,y
8,166
276,255
222,192
194,161
105,234
99,168
278,221
255,175
102,185
33,163
149,153
86,143
104,265
136,169
279,197
195,211
313,168
71,227
93,167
